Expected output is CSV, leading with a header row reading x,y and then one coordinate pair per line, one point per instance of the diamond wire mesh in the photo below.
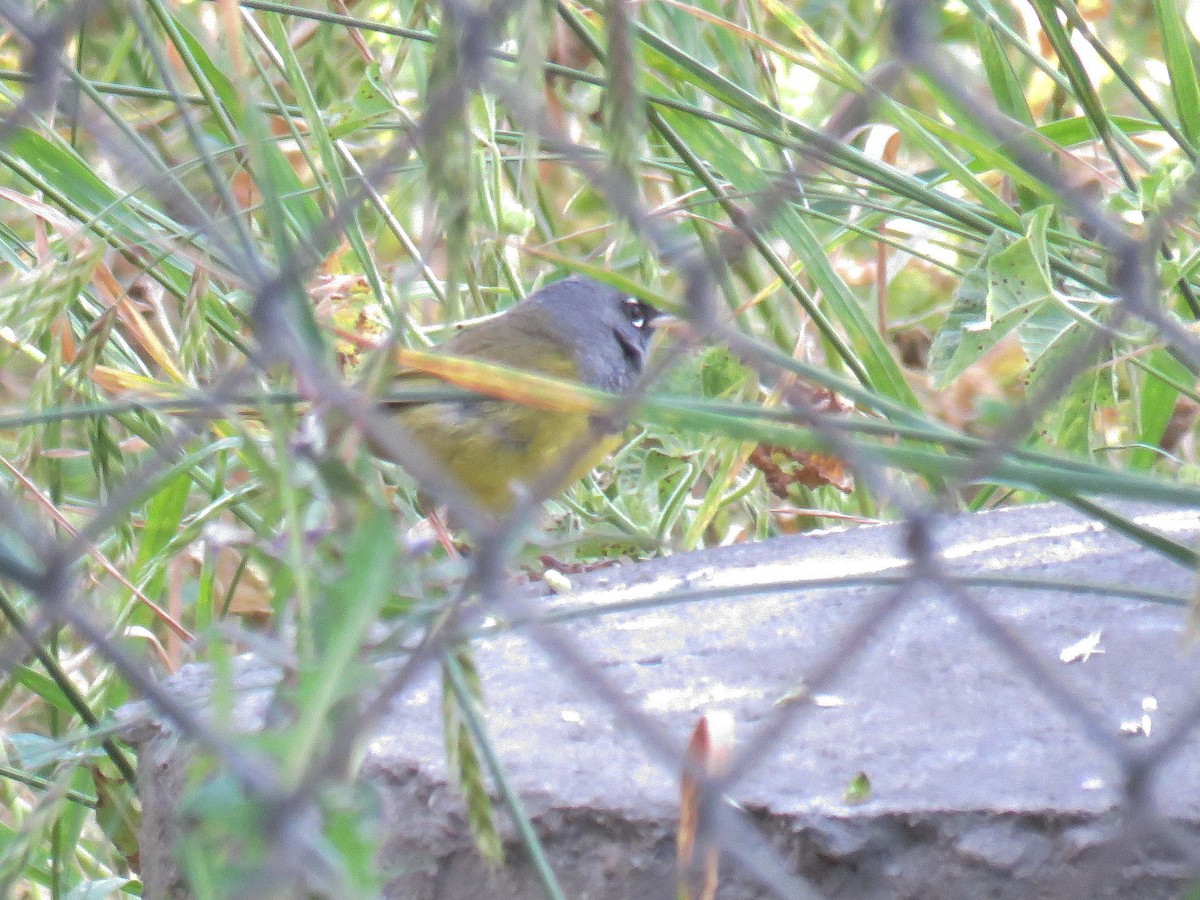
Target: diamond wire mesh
x,y
273,267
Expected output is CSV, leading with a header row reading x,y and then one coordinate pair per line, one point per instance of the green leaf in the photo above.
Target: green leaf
x,y
352,828
866,343
1073,67
164,513
1052,339
1178,49
46,688
858,790
372,100
1007,90
1020,274
966,334
1068,426
33,751
117,813
1077,129
354,602
360,593
721,373
1004,289
1159,391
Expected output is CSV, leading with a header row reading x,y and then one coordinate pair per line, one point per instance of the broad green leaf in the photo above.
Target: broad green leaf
x,y
1006,287
957,345
372,100
1019,275
358,595
71,183
1068,426
1161,185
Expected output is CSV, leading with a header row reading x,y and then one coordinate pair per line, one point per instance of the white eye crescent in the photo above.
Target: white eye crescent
x,y
634,312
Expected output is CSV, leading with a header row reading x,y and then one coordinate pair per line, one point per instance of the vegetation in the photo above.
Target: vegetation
x,y
916,283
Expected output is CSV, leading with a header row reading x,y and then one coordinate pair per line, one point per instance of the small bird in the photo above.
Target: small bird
x,y
576,329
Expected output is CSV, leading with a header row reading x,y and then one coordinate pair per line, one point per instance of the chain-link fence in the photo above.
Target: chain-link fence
x,y
198,319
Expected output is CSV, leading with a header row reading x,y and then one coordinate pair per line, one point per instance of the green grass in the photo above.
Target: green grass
x,y
918,287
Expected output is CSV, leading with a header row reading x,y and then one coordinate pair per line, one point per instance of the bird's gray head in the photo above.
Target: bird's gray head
x,y
608,331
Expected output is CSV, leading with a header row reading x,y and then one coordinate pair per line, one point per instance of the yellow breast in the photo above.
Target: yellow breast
x,y
496,449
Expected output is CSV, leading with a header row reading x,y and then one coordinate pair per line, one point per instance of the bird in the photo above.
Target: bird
x,y
576,329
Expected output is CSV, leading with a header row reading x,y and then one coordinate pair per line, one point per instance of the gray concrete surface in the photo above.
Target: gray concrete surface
x,y
980,786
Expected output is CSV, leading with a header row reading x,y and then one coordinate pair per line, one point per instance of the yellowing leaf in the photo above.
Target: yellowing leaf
x,y
506,383
118,382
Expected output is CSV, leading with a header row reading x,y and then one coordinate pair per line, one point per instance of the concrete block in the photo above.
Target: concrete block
x,y
980,784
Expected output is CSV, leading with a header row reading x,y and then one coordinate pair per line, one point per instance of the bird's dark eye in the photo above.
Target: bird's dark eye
x,y
635,311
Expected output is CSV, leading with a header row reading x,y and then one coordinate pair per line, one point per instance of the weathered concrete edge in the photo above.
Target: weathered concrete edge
x,y
629,855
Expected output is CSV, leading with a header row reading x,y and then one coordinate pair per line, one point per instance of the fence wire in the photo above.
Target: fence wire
x,y
196,210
